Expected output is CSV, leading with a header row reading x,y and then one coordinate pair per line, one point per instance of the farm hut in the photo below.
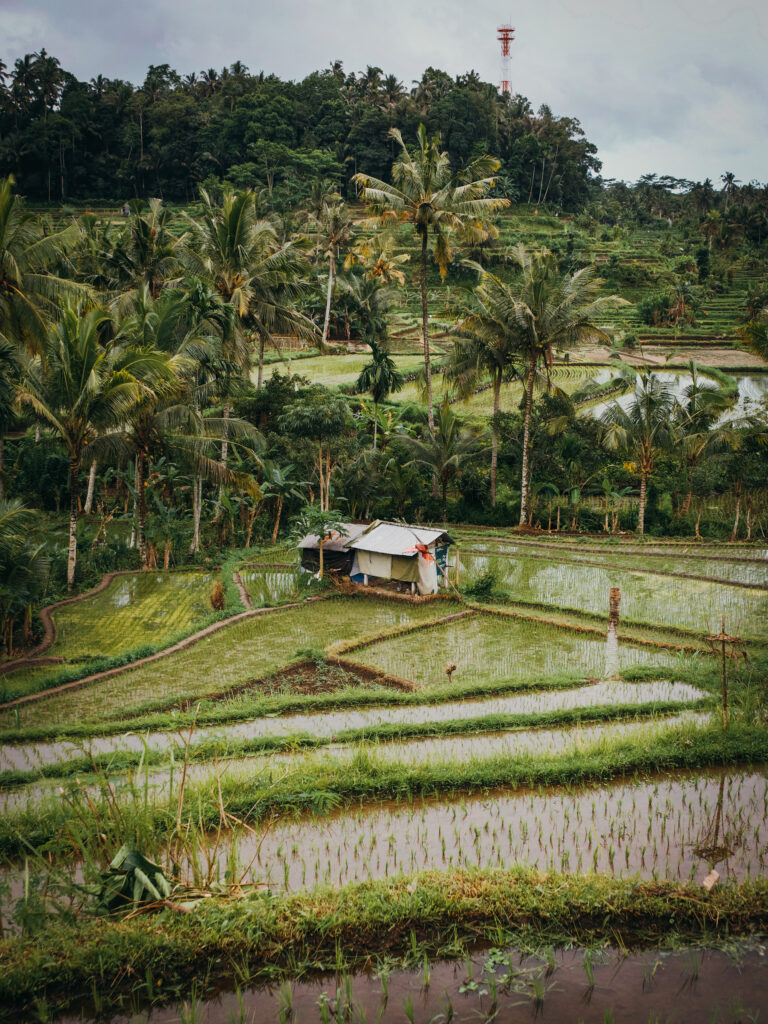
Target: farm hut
x,y
394,551
335,555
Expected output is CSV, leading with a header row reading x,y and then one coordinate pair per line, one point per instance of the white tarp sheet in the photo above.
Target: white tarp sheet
x,y
374,564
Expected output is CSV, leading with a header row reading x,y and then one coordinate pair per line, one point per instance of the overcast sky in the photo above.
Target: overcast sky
x,y
665,86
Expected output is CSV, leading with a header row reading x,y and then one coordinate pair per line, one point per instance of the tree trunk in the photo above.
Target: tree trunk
x,y
425,332
167,553
260,377
641,517
749,517
320,549
2,454
74,466
320,476
197,508
375,425
697,535
445,500
735,533
224,441
141,510
277,518
526,439
91,488
327,320
495,436
686,505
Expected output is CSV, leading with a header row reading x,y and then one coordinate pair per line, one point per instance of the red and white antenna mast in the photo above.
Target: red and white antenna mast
x,y
506,36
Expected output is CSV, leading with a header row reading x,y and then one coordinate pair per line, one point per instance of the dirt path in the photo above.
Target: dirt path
x,y
245,597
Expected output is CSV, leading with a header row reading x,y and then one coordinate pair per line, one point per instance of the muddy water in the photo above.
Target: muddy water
x,y
676,987
324,724
672,828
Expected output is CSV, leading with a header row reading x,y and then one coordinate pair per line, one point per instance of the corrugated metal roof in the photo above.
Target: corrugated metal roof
x,y
394,538
338,543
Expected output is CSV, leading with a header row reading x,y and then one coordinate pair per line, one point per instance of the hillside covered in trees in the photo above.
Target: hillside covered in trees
x,y
108,139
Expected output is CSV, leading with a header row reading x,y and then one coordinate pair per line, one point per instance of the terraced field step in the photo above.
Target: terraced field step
x,y
327,725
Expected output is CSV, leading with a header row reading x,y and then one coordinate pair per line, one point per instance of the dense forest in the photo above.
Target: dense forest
x,y
106,139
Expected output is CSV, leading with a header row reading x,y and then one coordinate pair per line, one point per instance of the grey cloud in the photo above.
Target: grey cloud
x,y
674,87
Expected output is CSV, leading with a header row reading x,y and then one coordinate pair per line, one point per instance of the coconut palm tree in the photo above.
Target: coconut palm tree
x,y
549,311
643,431
240,256
434,200
446,451
80,388
10,370
334,231
699,408
30,290
488,342
24,569
147,252
379,378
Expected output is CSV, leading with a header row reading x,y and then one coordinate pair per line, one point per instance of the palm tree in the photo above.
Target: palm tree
x,y
30,290
240,257
643,431
10,369
80,388
699,408
379,378
334,229
488,342
434,200
446,451
549,310
279,483
147,253
374,252
167,418
24,568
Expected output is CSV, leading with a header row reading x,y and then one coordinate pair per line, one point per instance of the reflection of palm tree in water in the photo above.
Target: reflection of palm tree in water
x,y
710,847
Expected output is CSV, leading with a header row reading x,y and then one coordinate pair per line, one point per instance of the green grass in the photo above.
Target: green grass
x,y
268,937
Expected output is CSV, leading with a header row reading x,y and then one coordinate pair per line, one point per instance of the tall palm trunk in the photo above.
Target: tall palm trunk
x,y
141,510
74,501
643,489
425,332
326,321
375,425
197,508
735,532
277,518
686,505
495,436
260,376
91,488
224,439
526,442
2,455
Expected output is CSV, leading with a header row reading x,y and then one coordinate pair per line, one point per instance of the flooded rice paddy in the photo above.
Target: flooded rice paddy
x,y
330,723
438,750
657,986
673,828
693,604
487,647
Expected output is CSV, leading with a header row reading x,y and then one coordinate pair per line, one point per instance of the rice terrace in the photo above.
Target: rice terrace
x,y
383,538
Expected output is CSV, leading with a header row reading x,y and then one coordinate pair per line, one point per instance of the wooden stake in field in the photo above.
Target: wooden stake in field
x,y
612,636
724,646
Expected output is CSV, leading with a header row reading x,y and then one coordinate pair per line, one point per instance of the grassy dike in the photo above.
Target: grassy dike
x,y
60,826
267,936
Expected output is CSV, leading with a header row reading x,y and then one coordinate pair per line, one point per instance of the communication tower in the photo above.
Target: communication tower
x,y
506,36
